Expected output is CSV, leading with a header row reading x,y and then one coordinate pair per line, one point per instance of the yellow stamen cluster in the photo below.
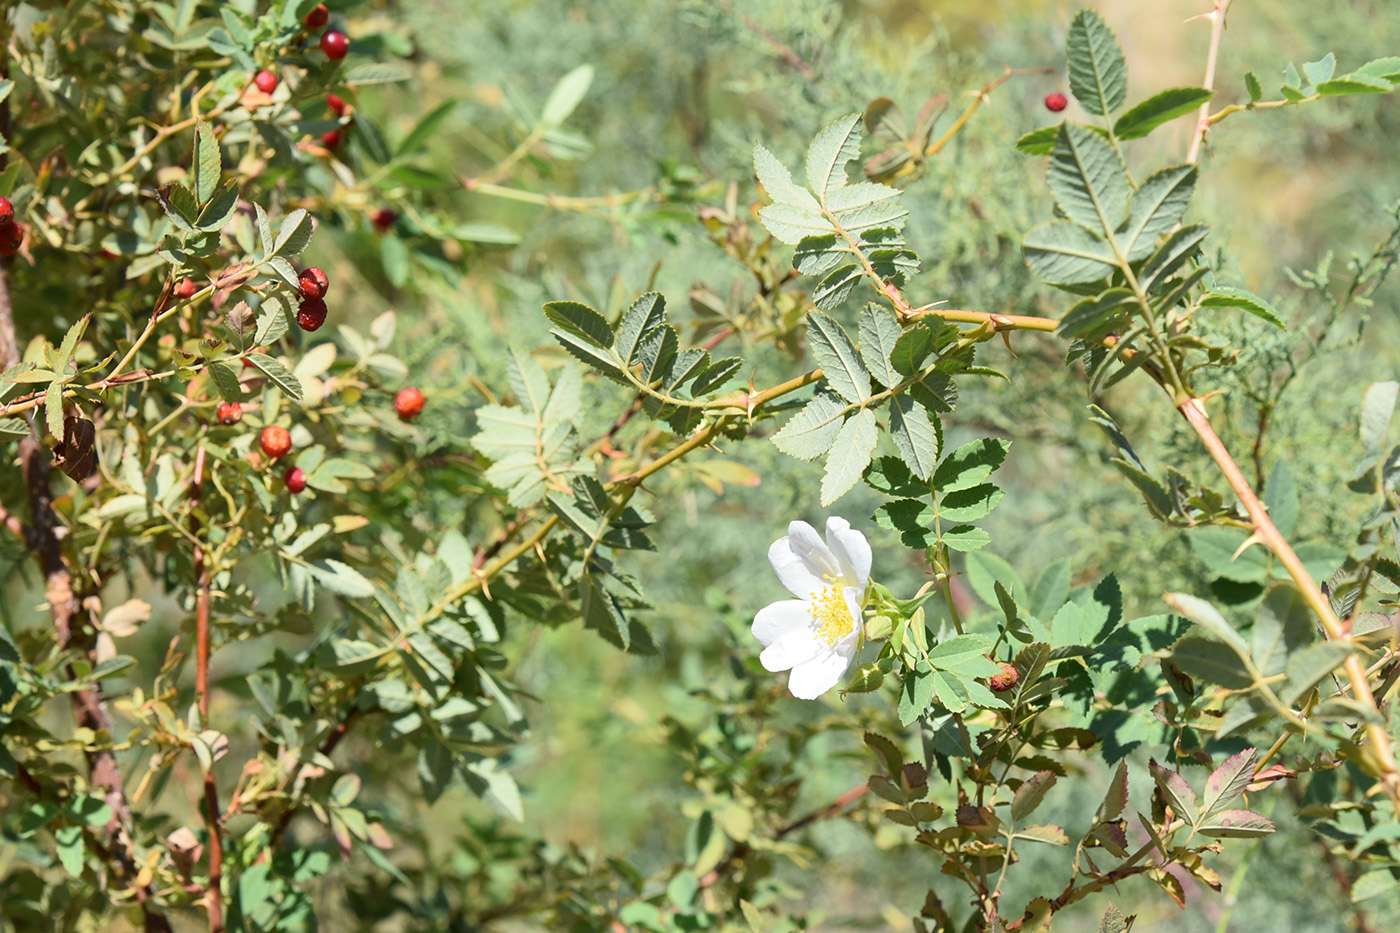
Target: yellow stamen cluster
x,y
832,614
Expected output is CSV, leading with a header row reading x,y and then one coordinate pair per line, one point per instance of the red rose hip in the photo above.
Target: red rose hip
x,y
11,236
230,413
275,441
314,282
185,289
1056,102
317,17
335,44
1006,679
266,81
409,404
7,212
311,314
295,478
331,139
335,104
383,219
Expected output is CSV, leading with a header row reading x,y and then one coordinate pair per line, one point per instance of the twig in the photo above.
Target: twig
x,y
1217,18
980,98
1268,534
214,900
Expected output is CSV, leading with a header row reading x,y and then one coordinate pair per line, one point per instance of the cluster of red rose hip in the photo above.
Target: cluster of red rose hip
x,y
275,440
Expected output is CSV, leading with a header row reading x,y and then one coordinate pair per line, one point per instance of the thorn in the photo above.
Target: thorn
x,y
1006,339
1252,539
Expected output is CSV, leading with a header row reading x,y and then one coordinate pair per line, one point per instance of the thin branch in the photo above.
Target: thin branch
x,y
213,897
1268,534
1217,19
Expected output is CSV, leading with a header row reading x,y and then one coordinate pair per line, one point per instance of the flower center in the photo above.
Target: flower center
x,y
832,614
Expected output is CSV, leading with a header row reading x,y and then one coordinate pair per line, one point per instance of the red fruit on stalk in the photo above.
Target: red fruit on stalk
x,y
275,441
7,212
331,139
335,44
409,404
185,289
314,282
1056,102
336,104
230,413
266,81
311,314
383,219
295,478
11,236
317,17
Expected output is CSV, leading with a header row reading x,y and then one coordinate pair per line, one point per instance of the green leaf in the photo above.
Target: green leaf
x,y
1158,109
581,321
1220,297
1374,884
1175,791
1087,180
892,477
1039,142
837,356
53,409
1180,246
970,504
915,437
274,319
1157,208
1235,824
217,213
1031,794
849,456
1321,70
1094,317
915,693
718,373
777,181
1377,406
1098,75
1050,590
376,73
566,95
1354,84
879,334
965,538
279,375
811,432
1113,921
1159,500
1207,617
71,853
1283,626
206,164
837,144
1212,662
646,313
1064,253
970,464
340,578
1307,668
294,234
951,691
1387,69
586,351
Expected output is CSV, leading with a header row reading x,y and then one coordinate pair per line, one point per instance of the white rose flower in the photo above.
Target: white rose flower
x,y
817,634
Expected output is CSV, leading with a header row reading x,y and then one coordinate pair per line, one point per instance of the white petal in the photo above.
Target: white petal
x,y
812,678
793,649
777,619
808,545
851,549
793,572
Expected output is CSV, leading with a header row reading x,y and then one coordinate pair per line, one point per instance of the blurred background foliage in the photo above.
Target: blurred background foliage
x,y
681,90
